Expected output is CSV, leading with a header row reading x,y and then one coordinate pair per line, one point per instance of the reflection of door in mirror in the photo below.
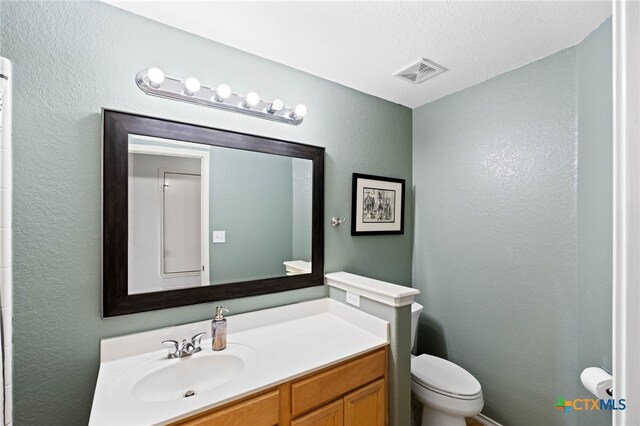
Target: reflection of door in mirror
x,y
168,218
180,238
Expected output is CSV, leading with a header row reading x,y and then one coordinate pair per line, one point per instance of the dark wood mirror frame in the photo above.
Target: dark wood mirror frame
x,y
117,126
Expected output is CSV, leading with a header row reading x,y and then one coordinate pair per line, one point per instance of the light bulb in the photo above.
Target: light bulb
x,y
251,100
299,111
275,106
155,76
191,85
222,92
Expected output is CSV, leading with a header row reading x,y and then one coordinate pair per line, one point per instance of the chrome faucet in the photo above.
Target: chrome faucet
x,y
186,348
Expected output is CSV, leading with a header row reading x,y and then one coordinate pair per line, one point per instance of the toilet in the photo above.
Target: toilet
x,y
448,393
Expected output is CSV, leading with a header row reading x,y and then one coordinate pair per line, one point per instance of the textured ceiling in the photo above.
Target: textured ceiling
x,y
362,44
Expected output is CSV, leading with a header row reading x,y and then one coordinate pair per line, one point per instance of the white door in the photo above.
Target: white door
x,y
181,225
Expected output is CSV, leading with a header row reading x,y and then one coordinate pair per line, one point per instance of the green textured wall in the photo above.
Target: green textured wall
x,y
72,59
506,174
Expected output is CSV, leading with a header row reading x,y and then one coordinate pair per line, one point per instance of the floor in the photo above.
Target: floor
x,y
471,422
416,415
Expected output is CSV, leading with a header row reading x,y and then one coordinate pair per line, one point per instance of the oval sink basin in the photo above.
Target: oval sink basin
x,y
160,379
189,376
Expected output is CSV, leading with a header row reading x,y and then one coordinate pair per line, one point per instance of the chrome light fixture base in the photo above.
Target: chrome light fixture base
x,y
174,88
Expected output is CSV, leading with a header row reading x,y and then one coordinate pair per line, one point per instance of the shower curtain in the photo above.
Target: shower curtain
x,y
6,340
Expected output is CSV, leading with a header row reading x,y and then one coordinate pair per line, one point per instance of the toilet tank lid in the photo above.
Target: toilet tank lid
x,y
416,307
444,375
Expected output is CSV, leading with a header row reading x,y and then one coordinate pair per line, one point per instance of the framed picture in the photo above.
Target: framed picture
x,y
377,206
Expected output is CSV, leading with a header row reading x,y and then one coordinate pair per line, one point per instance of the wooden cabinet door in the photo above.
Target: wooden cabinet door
x,y
262,410
320,388
329,415
366,406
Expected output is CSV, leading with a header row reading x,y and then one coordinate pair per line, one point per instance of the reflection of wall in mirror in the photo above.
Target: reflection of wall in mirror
x,y
302,202
145,223
251,199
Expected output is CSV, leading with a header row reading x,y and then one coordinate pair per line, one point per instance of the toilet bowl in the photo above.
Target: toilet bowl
x,y
448,393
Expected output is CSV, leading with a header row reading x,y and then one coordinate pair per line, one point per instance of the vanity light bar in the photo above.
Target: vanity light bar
x,y
153,82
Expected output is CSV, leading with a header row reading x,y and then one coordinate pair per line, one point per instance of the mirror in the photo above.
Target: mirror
x,y
207,215
195,214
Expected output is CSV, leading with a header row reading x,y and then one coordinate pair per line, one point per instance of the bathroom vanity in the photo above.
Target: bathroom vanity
x,y
352,393
296,364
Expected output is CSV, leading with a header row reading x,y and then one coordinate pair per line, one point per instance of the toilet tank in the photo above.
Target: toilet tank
x,y
416,309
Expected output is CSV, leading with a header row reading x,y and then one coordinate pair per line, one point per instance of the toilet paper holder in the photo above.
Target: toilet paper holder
x,y
597,381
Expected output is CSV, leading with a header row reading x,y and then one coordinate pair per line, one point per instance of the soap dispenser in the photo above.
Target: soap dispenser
x,y
219,330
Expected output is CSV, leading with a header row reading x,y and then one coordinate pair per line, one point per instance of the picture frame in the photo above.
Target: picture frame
x,y
377,206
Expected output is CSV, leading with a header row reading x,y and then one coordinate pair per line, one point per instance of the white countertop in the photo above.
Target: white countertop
x,y
289,341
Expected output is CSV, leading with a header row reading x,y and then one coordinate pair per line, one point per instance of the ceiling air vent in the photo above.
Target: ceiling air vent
x,y
420,71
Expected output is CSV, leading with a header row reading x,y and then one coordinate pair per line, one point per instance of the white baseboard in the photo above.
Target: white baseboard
x,y
484,420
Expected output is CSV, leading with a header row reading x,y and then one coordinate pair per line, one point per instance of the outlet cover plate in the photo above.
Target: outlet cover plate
x,y
353,299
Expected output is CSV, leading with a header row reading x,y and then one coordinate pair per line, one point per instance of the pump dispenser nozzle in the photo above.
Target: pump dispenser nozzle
x,y
219,315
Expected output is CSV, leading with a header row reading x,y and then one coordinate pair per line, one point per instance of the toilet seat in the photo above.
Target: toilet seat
x,y
444,377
